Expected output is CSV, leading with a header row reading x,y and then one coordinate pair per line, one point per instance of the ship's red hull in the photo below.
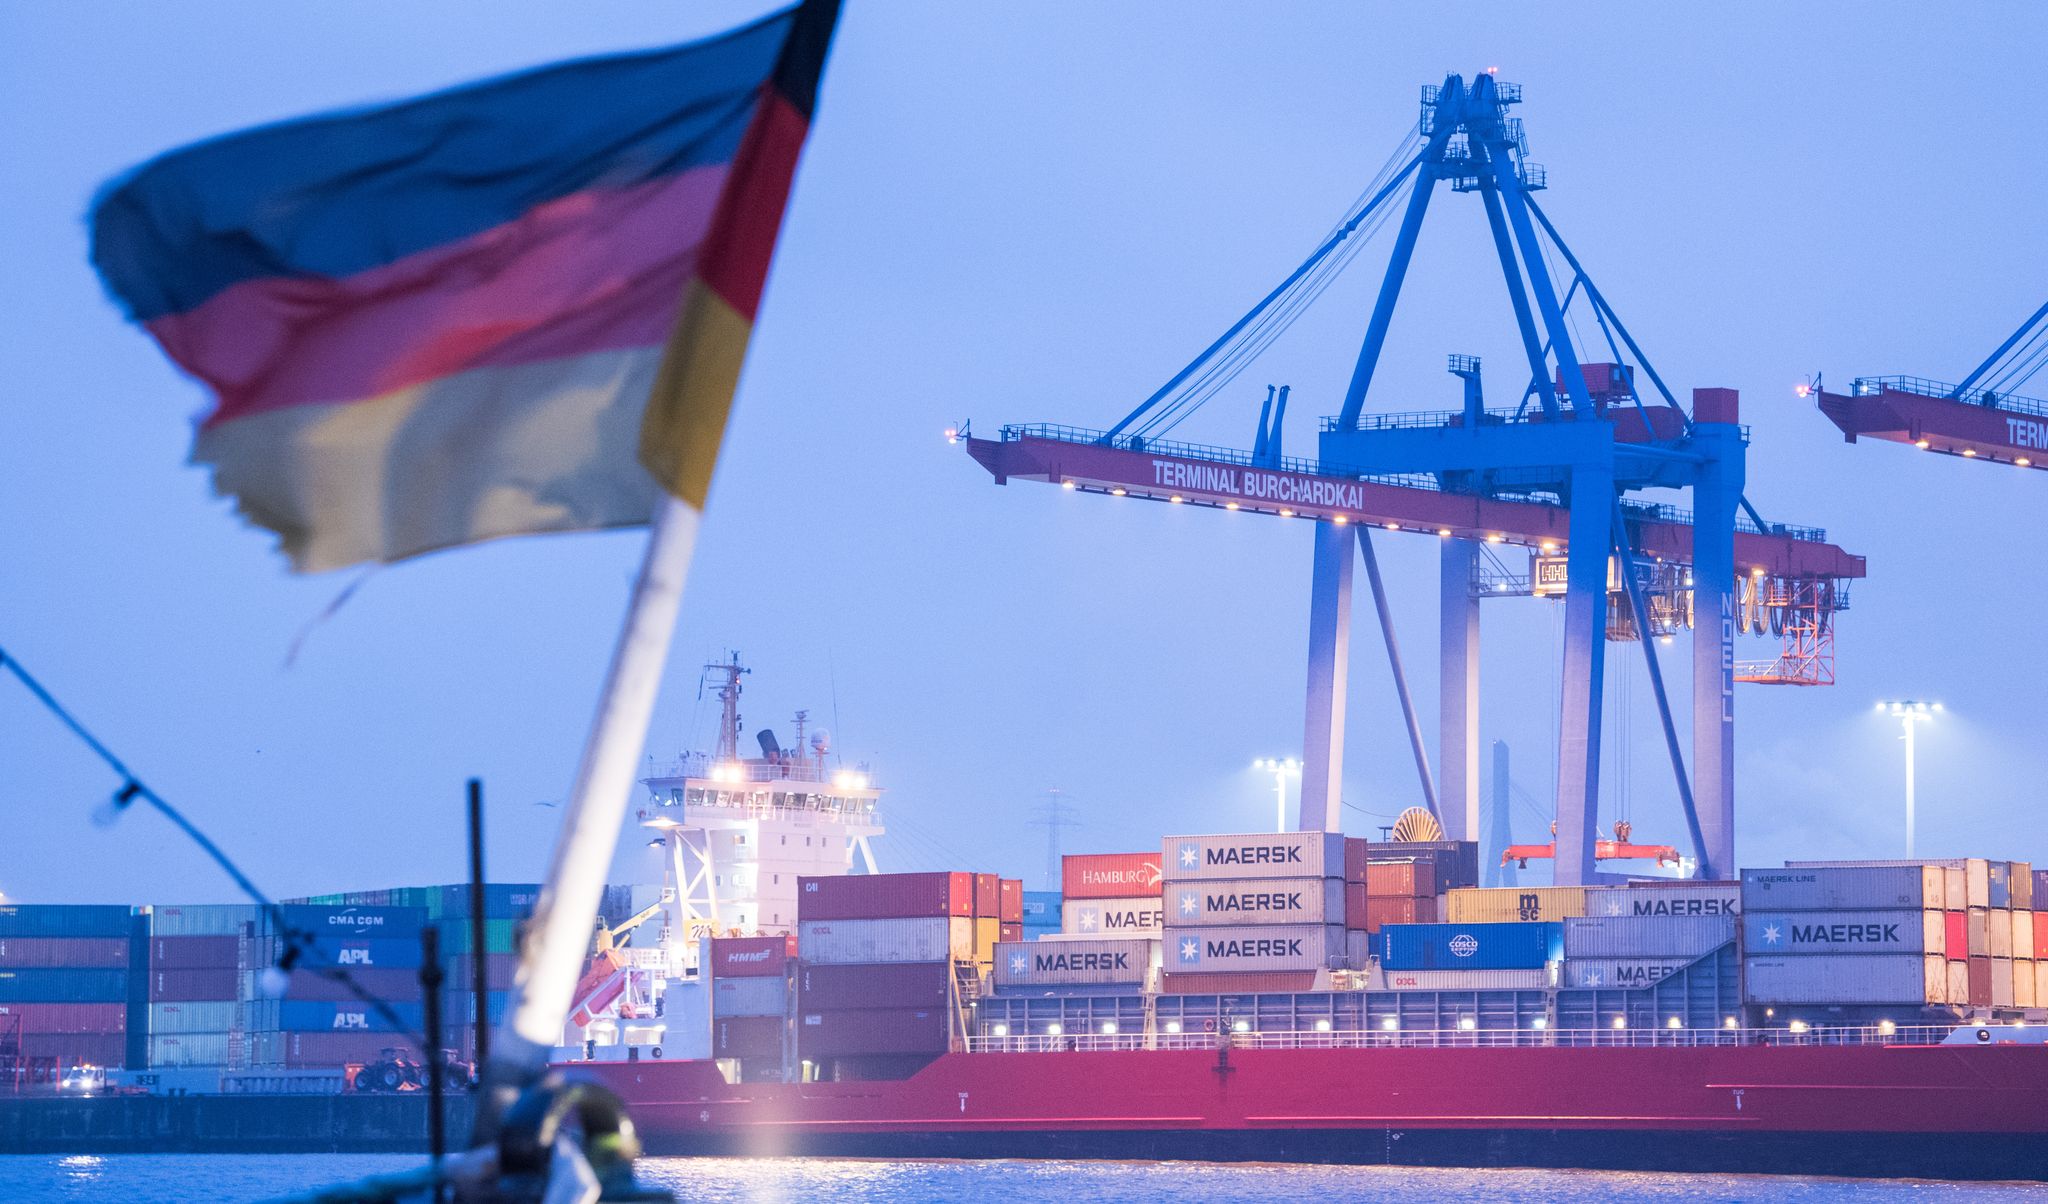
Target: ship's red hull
x,y
1916,1110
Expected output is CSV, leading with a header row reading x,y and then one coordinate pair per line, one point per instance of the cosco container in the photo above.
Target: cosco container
x,y
1618,973
749,996
1468,980
751,956
218,1016
1514,904
902,985
872,1031
204,919
1895,978
1647,935
63,952
1844,888
64,919
1076,963
886,896
64,986
63,1017
1109,875
1256,855
1112,917
189,1049
1257,901
1665,899
1253,950
1844,932
1511,946
928,939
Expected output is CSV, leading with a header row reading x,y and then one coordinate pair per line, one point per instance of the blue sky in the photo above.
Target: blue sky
x,y
1037,214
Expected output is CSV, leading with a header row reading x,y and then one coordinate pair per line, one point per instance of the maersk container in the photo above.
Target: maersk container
x,y
1109,875
1511,946
1076,963
189,1049
1844,888
749,996
1894,978
63,986
63,952
1468,980
1290,947
1113,917
1254,855
1766,933
63,1017
1646,936
204,919
1612,973
1665,899
217,1016
886,896
902,985
63,919
920,939
1514,904
751,956
859,1031
1257,901
1998,932
2001,983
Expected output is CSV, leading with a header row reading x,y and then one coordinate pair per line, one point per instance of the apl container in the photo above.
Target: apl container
x,y
1257,901
1252,950
903,985
1514,904
1109,875
1618,973
1896,978
1512,946
1254,855
750,996
63,952
1844,932
217,1016
1665,899
1113,917
1076,963
1468,980
886,896
1653,936
1844,888
63,919
922,939
306,1015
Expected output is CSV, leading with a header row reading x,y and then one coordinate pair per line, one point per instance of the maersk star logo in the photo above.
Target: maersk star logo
x,y
1017,963
1773,934
1189,857
1190,904
1592,979
1090,919
1615,907
1190,950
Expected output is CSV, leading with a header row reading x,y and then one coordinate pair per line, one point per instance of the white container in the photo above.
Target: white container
x,y
1252,950
2023,923
202,919
1843,888
2024,984
2040,983
1773,934
1665,899
1626,974
1998,932
205,1016
2001,983
876,942
764,995
189,1049
1255,855
1076,963
1902,978
1955,888
1958,981
1242,901
1113,917
1631,936
1979,922
1468,980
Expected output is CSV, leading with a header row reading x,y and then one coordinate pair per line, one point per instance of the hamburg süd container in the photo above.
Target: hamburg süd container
x,y
64,919
1514,904
751,956
901,985
1254,855
1665,899
1880,978
1076,963
1291,947
1634,936
1844,888
1113,917
218,1016
1468,980
912,939
1109,875
887,896
1504,946
1623,973
855,1031
1844,932
1257,901
754,996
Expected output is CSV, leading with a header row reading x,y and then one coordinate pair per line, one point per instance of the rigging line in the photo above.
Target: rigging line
x,y
2012,363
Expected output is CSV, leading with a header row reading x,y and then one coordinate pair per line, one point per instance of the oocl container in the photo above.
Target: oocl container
x,y
1844,932
1686,936
1898,978
1514,904
1112,917
1254,855
1619,973
1076,963
1665,899
1109,875
750,996
189,1049
919,939
211,1017
1257,901
1468,980
1843,888
1253,950
204,919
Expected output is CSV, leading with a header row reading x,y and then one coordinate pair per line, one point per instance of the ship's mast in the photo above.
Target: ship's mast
x,y
730,671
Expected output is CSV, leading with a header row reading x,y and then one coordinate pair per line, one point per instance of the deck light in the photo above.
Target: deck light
x,y
1969,451
1053,1029
1173,1026
1620,1022
1393,526
1339,519
1286,513
1001,1030
1673,1023
1109,1028
1176,498
1390,1024
1230,505
1119,491
2023,462
1921,444
1066,484
1444,531
1496,537
1467,1023
1322,1026
1242,1026
1539,1024
1728,1022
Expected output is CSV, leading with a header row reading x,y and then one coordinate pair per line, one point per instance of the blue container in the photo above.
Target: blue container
x,y
64,919
1469,946
64,986
2001,883
346,921
502,900
319,1015
1041,909
375,953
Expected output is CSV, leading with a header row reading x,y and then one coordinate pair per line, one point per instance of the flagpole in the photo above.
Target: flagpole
x,y
557,942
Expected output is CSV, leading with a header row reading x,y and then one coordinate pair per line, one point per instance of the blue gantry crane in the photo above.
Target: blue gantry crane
x,y
1983,418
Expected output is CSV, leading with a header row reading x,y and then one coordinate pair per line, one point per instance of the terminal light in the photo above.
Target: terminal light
x,y
1339,519
1230,505
1066,485
1921,444
1119,491
1286,513
1444,531
1176,498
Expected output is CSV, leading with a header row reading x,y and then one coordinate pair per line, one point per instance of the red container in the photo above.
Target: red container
x,y
1357,852
1955,934
1012,910
311,1051
2041,944
988,898
179,986
64,1017
195,952
391,986
1382,911
1110,875
752,956
885,896
1980,982
746,1037
1395,880
1010,932
77,1049
1237,984
64,952
1354,905
901,985
831,1034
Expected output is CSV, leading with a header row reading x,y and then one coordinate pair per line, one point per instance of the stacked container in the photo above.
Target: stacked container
x,y
1470,957
1846,934
1041,913
751,980
68,978
1258,912
1110,895
1630,951
199,972
1515,904
318,1021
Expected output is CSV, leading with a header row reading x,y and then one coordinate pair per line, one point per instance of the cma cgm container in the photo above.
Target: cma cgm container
x,y
1646,936
1844,932
63,952
887,896
1514,904
1844,887
903,985
1076,963
1256,855
1665,899
1252,950
1900,978
1512,946
319,922
64,919
930,939
1112,917
751,956
1257,901
1109,875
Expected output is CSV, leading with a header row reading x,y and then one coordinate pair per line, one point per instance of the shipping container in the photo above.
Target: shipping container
x,y
1289,982
885,896
1958,981
2041,890
499,971
750,996
319,1015
1980,982
195,952
2022,934
1636,936
316,1049
2001,982
2041,936
396,986
64,986
1468,980
1610,973
1109,875
1998,932
1955,934
1452,864
1507,946
1979,921
188,1049
1400,880
1355,905
1071,963
64,919
902,985
1845,887
845,942
1253,949
2023,886
1998,875
396,923
1884,978
216,1016
1380,912
988,897
1113,917
1010,932
2040,978
752,956
166,986
204,919
63,952
1665,899
739,1036
63,1017
1012,911
1955,886
1254,855
830,1034
2024,994
1514,904
1357,856
1041,909
1767,933
108,1051
1257,901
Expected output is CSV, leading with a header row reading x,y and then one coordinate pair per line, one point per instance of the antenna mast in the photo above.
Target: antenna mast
x,y
728,674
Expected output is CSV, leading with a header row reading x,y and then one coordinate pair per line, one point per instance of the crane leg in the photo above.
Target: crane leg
x,y
1717,492
1329,667
1585,658
1458,698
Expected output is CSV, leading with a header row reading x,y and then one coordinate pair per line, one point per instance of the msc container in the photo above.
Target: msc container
x,y
1625,973
1844,932
886,896
903,985
1075,963
1113,917
1252,950
64,919
1998,932
1844,888
1258,901
1468,980
204,919
1399,879
1901,978
1012,909
2001,983
751,956
928,939
194,952
172,985
189,1049
1955,934
1286,983
63,986
872,1031
219,1016
1109,875
1380,912
1041,909
1998,875
1511,946
747,1036
64,1017
749,996
1254,855
1665,899
1514,904
63,952
2023,993
1646,936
